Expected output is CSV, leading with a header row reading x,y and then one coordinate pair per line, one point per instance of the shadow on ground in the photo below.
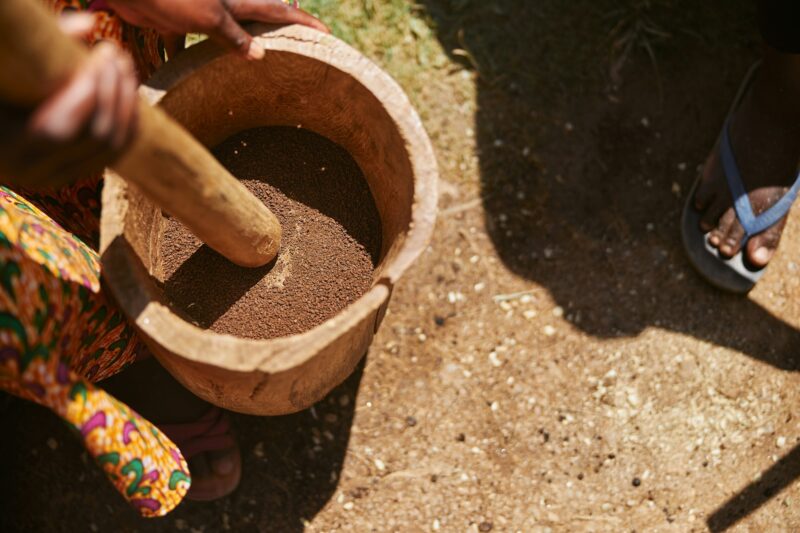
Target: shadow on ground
x,y
587,149
591,120
291,469
779,476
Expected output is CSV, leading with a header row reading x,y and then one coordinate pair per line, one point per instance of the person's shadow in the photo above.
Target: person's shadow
x,y
290,470
591,120
583,182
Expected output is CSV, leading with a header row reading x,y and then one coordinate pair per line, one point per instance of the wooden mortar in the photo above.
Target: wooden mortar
x,y
307,79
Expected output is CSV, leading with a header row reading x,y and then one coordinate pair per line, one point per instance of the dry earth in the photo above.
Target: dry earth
x,y
552,363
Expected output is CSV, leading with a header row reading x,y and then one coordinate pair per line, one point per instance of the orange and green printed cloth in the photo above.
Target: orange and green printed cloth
x,y
59,333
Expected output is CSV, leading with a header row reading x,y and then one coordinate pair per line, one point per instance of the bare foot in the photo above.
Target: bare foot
x,y
765,137
202,433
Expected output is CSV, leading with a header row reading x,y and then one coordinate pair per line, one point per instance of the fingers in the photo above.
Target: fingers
x,y
87,123
274,12
229,33
63,115
76,24
126,120
108,81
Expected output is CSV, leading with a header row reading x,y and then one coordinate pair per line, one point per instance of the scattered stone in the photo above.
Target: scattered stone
x,y
258,450
461,437
438,320
485,526
636,482
380,465
411,421
549,330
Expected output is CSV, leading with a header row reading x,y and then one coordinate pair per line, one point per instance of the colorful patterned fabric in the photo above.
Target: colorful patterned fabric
x,y
58,331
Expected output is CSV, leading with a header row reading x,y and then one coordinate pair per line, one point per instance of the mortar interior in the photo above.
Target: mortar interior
x,y
286,89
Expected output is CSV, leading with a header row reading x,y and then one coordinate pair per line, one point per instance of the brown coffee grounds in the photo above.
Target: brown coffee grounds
x,y
331,240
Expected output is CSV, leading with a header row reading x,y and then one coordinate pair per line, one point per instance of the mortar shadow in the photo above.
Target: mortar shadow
x,y
583,183
291,467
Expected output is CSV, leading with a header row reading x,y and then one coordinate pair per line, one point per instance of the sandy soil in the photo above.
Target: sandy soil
x,y
552,363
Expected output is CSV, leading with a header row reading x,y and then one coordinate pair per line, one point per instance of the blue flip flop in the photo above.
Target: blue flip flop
x,y
735,274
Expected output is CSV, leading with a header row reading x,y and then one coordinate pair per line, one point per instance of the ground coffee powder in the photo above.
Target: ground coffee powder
x,y
331,240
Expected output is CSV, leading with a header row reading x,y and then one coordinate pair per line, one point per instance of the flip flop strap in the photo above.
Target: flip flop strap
x,y
751,223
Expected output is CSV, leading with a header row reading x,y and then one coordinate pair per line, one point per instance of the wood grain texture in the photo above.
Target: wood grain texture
x,y
163,160
306,79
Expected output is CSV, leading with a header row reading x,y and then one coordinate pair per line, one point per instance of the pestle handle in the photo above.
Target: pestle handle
x,y
163,160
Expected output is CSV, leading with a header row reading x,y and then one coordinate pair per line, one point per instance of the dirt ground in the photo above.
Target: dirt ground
x,y
552,362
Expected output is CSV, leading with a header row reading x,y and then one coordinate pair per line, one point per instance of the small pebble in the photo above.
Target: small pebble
x,y
380,465
461,437
485,526
411,421
549,330
780,442
52,443
258,450
438,320
636,482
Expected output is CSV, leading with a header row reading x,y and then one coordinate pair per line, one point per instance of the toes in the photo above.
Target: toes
x,y
761,247
731,242
712,214
224,463
199,467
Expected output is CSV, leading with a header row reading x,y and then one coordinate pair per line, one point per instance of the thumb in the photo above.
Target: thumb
x,y
229,33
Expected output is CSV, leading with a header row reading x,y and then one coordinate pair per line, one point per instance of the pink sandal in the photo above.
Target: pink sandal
x,y
208,445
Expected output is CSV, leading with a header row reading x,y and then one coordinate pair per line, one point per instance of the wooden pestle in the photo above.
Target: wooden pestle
x,y
163,160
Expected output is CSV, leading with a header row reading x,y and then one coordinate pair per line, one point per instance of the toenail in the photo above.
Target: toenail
x,y
223,466
761,255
